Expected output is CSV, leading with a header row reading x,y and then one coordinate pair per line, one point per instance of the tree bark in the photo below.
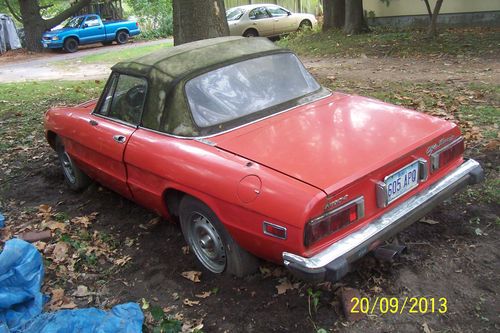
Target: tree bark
x,y
432,32
199,19
35,25
355,22
333,14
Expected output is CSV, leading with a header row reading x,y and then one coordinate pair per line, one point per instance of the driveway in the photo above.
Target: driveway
x,y
47,65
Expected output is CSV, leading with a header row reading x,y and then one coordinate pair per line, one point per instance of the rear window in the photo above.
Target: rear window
x,y
247,87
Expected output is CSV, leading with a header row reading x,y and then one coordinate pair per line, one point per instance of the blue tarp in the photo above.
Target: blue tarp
x,y
21,302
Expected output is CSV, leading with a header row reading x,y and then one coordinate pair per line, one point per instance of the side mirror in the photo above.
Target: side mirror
x,y
289,13
85,26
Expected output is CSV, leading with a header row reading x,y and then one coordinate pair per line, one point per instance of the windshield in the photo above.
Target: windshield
x,y
75,22
234,14
247,87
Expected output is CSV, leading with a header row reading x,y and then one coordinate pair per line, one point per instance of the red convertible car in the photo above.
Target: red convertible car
x,y
237,140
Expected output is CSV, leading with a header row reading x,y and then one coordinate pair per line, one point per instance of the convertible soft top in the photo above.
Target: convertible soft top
x,y
167,71
179,61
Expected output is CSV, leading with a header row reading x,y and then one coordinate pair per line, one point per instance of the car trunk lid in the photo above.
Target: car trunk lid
x,y
334,141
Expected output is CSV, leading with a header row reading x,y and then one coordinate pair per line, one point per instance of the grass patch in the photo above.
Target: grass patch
x,y
22,106
404,43
114,56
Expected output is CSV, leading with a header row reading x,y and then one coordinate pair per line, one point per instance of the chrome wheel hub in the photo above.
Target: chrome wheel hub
x,y
206,243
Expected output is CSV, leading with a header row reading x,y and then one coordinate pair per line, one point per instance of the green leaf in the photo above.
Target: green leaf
x,y
157,312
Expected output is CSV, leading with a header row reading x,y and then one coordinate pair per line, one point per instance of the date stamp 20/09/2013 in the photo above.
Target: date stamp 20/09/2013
x,y
394,305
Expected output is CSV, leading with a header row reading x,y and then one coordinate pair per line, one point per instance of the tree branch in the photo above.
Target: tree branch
x,y
11,10
429,10
50,23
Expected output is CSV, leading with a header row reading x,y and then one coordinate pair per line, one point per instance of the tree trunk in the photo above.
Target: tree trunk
x,y
333,14
199,19
35,25
354,20
432,32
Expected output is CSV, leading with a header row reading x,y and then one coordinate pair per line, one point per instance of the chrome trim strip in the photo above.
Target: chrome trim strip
x,y
435,155
378,227
275,226
234,128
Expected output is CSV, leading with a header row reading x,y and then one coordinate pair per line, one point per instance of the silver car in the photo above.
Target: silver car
x,y
266,20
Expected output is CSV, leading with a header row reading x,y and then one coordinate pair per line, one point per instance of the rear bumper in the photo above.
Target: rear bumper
x,y
335,261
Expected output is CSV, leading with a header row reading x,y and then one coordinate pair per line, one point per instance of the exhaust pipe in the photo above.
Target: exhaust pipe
x,y
389,252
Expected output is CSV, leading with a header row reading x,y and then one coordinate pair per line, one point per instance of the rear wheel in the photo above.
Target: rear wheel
x,y
211,243
71,45
251,33
305,25
122,37
73,176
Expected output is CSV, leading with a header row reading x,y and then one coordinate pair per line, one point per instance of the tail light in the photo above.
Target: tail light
x,y
446,154
334,220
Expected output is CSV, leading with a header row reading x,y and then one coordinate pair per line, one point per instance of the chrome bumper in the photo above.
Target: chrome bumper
x,y
335,261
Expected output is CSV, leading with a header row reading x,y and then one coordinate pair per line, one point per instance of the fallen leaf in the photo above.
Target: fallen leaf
x,y
122,261
52,225
81,291
60,252
192,275
185,249
426,328
204,294
188,302
144,304
429,221
285,285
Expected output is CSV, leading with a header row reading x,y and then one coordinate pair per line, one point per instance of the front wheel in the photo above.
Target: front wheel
x,y
211,243
122,37
73,176
71,45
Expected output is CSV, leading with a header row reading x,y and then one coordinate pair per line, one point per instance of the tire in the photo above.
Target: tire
x,y
214,248
305,25
251,33
70,45
73,176
122,37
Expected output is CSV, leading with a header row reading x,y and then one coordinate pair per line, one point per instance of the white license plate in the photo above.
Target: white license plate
x,y
402,181
45,45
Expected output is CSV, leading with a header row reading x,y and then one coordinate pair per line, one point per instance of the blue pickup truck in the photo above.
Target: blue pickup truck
x,y
88,29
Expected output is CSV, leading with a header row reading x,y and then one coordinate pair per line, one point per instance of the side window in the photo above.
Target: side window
x,y
92,21
277,11
124,99
258,13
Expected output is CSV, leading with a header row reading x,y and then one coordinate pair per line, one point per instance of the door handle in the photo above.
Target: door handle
x,y
93,122
119,138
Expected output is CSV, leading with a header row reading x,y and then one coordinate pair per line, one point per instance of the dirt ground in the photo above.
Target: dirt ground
x,y
447,257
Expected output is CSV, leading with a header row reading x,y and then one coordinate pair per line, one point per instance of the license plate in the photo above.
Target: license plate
x,y
45,45
402,181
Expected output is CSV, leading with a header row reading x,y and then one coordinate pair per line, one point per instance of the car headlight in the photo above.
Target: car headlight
x,y
55,38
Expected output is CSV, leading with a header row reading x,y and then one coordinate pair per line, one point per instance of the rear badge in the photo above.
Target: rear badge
x,y
439,144
336,202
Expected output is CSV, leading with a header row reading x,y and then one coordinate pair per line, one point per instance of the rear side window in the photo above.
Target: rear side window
x,y
124,98
92,21
258,13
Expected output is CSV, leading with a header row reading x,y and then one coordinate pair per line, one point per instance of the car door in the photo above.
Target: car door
x,y
282,20
262,21
111,125
92,30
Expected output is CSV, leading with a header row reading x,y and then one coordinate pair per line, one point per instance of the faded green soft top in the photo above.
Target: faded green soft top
x,y
183,59
168,69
